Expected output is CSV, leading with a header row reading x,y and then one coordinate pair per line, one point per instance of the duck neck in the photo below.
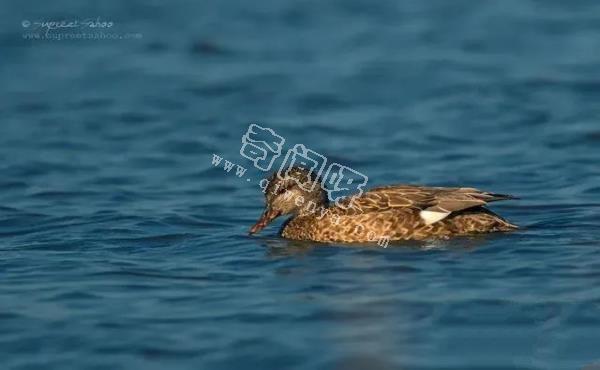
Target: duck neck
x,y
313,208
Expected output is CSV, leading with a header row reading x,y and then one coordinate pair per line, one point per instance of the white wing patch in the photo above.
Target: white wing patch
x,y
432,216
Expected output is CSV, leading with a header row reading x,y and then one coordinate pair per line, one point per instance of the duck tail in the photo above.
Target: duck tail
x,y
502,223
494,197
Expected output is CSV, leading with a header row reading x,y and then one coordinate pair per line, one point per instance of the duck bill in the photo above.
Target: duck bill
x,y
265,219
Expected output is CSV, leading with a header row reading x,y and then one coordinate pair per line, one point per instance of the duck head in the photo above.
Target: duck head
x,y
296,191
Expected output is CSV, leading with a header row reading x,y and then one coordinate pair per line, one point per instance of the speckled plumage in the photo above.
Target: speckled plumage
x,y
389,212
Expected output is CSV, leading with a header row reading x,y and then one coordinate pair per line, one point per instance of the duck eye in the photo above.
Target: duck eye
x,y
281,191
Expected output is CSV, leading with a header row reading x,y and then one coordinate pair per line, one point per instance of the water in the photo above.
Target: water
x,y
123,247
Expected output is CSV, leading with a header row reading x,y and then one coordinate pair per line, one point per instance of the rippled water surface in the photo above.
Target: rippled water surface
x,y
123,247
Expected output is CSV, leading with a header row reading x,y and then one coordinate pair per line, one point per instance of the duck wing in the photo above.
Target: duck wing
x,y
433,203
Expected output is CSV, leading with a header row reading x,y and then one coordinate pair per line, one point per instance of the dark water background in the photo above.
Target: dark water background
x,y
122,247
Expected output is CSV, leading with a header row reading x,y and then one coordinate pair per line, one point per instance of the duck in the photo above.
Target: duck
x,y
393,212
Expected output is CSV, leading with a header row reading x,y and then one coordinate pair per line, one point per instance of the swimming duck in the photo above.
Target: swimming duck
x,y
395,212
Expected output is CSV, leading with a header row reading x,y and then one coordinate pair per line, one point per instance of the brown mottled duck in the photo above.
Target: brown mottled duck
x,y
395,212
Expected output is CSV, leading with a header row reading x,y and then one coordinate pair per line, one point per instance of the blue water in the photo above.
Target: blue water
x,y
123,247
